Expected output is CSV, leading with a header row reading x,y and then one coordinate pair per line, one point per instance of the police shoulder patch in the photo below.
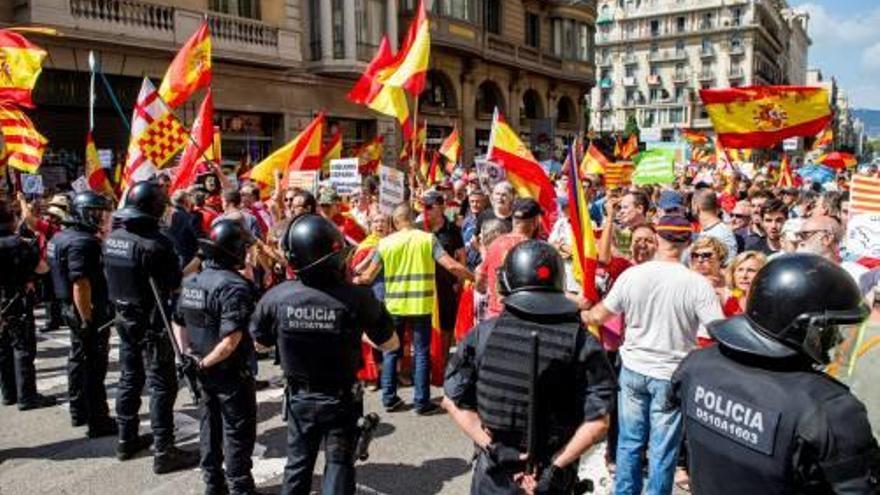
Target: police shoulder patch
x,y
724,413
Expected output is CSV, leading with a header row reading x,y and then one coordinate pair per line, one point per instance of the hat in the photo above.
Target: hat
x,y
526,208
327,196
60,201
670,200
432,198
674,228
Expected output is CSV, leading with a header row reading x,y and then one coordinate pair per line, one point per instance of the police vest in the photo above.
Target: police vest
x,y
409,272
503,379
56,255
741,423
19,261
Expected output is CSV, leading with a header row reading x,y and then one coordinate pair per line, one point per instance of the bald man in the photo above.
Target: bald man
x,y
822,235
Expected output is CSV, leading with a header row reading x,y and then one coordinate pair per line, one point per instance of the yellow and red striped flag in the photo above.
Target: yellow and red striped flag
x,y
23,145
190,69
302,153
864,194
96,174
411,62
619,174
332,150
451,147
762,116
594,161
20,65
521,169
585,256
383,98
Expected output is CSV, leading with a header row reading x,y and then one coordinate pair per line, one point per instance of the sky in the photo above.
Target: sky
x,y
846,44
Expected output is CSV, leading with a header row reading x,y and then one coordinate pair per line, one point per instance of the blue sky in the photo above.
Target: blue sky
x,y
846,44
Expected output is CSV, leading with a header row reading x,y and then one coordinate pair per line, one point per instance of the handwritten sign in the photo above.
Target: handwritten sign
x,y
391,188
344,175
304,179
863,236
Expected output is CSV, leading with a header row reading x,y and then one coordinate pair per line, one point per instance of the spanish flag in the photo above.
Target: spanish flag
x,y
522,170
190,69
451,147
332,150
20,65
370,155
585,255
411,62
303,153
203,140
594,161
383,98
23,146
762,116
96,175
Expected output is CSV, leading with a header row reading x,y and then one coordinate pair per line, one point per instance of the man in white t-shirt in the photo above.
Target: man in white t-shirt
x,y
665,304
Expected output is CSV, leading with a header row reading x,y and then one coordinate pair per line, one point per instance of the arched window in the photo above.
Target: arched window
x,y
531,107
488,97
439,92
565,111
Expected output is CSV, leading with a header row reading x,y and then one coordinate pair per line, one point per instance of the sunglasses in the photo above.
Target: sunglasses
x,y
741,216
702,256
807,234
288,200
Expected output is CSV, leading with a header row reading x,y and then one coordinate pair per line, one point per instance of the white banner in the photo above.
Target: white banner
x,y
304,179
344,175
863,236
391,188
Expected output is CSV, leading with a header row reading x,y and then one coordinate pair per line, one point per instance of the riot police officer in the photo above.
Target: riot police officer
x,y
133,254
760,416
18,341
74,255
317,322
215,306
489,378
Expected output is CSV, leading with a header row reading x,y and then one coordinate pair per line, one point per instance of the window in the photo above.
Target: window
x,y
654,70
654,94
676,115
338,30
461,9
492,16
630,97
583,47
533,30
240,8
630,29
708,21
736,16
655,28
571,40
706,46
680,24
630,71
680,94
649,117
679,47
736,43
315,29
438,91
370,25
655,50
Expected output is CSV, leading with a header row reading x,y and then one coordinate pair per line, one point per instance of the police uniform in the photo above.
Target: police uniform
x,y
759,417
213,304
490,373
73,254
18,344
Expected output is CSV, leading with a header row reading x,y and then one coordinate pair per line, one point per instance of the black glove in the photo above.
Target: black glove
x,y
554,480
507,458
188,366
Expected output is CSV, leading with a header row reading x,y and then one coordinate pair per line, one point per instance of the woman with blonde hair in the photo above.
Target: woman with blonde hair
x,y
740,275
706,257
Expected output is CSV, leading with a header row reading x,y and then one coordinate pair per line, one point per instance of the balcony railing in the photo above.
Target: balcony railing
x,y
679,55
604,62
133,13
629,81
737,50
240,30
680,77
706,75
736,73
655,56
707,52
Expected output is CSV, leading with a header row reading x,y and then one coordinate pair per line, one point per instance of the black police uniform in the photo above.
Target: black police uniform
x,y
318,334
18,344
73,254
132,254
214,304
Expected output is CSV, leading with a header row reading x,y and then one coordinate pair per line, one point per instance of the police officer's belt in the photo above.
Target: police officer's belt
x,y
296,386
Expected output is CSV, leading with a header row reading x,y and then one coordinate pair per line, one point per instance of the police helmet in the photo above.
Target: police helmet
x,y
532,280
227,243
145,199
797,304
311,242
88,209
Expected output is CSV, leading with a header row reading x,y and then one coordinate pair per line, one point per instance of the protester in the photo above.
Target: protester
x,y
740,275
740,223
773,217
822,235
502,205
708,212
707,257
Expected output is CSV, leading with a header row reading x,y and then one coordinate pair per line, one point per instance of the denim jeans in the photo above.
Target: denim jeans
x,y
421,331
646,419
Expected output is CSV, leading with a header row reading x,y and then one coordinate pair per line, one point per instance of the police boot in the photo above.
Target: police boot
x,y
216,489
173,459
127,450
36,402
103,427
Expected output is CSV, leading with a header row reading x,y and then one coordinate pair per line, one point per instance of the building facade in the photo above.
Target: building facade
x,y
279,62
653,56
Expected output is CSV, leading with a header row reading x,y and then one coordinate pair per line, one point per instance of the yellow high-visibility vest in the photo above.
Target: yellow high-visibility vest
x,y
409,272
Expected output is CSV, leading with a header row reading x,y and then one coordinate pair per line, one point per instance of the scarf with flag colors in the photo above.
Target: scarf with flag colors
x,y
302,153
864,195
520,168
762,116
585,254
190,70
203,139
23,145
20,65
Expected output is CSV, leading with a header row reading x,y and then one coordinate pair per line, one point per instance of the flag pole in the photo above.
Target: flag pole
x,y
91,90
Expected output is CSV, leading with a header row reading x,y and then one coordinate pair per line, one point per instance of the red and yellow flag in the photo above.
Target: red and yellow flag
x,y
618,147
522,170
370,155
20,65
23,146
694,137
451,147
585,254
411,62
594,161
630,148
383,98
332,150
786,179
864,194
163,139
824,140
203,139
762,116
190,69
618,174
302,153
96,174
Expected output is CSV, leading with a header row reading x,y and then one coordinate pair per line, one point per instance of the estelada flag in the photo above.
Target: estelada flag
x,y
190,69
383,98
585,254
23,146
20,65
332,150
451,147
411,62
203,139
594,161
96,174
302,153
521,169
762,116
864,194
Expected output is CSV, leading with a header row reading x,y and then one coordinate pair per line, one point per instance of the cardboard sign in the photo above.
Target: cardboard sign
x,y
489,174
391,188
344,175
304,179
105,156
863,236
80,184
32,184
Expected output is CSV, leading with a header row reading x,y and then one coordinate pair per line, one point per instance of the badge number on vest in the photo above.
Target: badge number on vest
x,y
192,298
118,248
744,423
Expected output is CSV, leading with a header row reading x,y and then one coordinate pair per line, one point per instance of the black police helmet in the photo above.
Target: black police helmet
x,y
145,199
312,242
227,243
532,280
88,208
796,304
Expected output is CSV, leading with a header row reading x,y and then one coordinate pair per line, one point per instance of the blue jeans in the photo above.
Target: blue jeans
x,y
645,419
421,330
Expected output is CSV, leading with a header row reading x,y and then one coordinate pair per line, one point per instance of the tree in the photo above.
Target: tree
x,y
632,127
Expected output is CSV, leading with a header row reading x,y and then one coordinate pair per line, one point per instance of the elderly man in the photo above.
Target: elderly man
x,y
740,223
502,205
822,235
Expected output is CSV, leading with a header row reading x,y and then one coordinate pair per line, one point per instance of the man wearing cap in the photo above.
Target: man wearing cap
x,y
664,304
329,208
526,219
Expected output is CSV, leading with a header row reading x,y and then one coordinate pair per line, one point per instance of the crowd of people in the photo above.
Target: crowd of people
x,y
671,260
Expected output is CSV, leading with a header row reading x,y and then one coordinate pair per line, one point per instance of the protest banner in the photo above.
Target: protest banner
x,y
304,179
863,235
344,175
391,188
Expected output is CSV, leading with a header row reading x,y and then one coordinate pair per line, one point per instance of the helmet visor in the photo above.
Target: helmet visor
x,y
843,356
822,332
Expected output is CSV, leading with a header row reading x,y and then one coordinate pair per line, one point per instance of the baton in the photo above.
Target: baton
x,y
190,380
532,425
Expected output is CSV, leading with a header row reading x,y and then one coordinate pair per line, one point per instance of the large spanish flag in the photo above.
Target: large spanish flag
x,y
411,64
522,170
190,69
20,65
383,98
585,254
303,153
96,174
23,146
762,116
